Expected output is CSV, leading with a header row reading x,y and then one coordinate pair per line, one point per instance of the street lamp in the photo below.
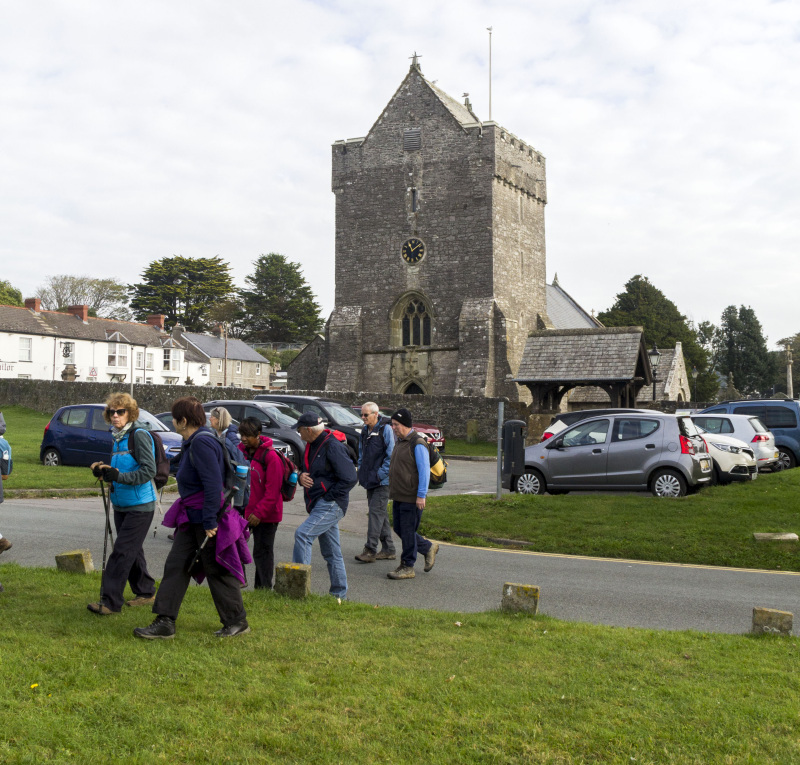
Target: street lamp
x,y
654,355
694,377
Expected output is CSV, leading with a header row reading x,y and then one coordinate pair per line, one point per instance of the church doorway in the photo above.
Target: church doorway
x,y
414,390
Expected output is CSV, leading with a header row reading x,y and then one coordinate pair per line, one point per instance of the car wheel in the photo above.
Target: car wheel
x,y
668,483
531,482
51,457
786,459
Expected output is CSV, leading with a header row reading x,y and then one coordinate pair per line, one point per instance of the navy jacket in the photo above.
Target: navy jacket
x,y
375,453
204,472
326,460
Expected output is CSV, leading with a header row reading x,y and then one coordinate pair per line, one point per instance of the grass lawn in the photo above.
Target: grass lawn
x,y
460,447
317,682
712,527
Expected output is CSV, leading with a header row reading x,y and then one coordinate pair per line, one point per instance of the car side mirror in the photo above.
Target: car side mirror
x,y
555,443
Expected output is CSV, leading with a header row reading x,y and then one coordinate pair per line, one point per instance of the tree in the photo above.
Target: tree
x,y
279,306
741,349
185,290
10,295
643,304
105,297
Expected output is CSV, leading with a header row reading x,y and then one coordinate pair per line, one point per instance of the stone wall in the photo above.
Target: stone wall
x,y
46,396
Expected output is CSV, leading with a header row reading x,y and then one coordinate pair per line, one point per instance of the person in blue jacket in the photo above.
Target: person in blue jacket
x,y
327,476
5,471
133,498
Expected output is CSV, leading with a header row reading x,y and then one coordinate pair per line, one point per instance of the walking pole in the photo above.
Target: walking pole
x,y
106,534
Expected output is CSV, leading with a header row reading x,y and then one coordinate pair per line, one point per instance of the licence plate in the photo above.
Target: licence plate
x,y
776,455
705,465
753,476
437,444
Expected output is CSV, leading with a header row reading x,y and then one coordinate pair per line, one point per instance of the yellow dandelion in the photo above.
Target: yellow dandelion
x,y
35,685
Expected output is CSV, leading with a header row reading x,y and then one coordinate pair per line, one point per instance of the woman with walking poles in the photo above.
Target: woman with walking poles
x,y
209,541
133,498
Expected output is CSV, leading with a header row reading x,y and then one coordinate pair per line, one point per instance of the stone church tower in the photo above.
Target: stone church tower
x,y
440,250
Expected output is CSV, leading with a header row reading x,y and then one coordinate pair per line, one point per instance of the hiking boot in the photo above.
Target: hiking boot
x,y
386,555
101,609
402,572
4,544
232,630
141,600
162,628
430,557
365,556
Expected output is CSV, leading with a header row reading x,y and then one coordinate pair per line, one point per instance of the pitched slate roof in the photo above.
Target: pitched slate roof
x,y
564,312
567,355
213,347
55,324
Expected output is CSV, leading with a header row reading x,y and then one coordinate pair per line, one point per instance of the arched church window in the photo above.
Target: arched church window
x,y
416,323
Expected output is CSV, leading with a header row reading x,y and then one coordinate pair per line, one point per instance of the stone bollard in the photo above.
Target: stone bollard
x,y
520,597
472,431
293,580
771,621
75,561
774,537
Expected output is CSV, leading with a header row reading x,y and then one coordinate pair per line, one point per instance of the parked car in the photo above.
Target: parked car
x,y
280,446
78,435
334,414
781,418
624,451
276,422
733,460
565,419
746,428
433,434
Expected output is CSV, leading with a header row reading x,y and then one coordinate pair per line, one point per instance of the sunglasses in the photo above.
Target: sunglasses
x,y
118,412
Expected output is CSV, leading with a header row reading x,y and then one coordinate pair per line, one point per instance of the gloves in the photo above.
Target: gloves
x,y
110,474
97,471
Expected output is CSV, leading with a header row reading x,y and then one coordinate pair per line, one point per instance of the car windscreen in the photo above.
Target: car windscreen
x,y
282,418
148,422
289,411
342,416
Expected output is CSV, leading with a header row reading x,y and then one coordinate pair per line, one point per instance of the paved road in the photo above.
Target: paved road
x,y
612,592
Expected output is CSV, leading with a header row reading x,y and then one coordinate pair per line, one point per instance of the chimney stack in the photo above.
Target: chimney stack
x,y
156,320
81,311
33,304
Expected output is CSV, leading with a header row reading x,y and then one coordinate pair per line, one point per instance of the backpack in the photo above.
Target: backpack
x,y
339,436
242,496
231,481
438,477
5,457
162,461
288,486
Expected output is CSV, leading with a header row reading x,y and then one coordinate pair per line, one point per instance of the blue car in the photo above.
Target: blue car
x,y
78,435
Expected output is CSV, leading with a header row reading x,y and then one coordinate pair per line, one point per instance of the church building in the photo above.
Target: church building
x,y
440,252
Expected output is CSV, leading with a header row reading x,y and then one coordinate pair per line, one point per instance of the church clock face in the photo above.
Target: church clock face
x,y
413,251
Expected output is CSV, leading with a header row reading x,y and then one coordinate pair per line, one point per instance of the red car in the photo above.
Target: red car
x,y
431,432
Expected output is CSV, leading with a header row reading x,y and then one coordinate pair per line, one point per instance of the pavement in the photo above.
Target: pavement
x,y
465,579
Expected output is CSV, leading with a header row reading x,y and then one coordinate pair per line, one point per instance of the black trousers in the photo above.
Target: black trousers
x,y
126,562
264,554
226,591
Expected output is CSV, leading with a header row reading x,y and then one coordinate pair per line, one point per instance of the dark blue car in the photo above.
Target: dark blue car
x,y
78,435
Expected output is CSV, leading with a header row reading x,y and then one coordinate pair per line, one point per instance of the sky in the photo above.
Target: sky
x,y
134,131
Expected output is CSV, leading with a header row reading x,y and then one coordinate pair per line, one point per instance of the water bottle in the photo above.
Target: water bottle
x,y
293,479
241,474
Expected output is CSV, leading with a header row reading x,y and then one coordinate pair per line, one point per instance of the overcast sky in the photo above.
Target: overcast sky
x,y
133,131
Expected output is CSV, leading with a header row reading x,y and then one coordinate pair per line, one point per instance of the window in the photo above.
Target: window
x,y
139,361
592,432
25,349
630,429
780,417
714,424
416,324
77,417
117,355
238,367
414,200
23,377
219,365
172,360
149,360
258,369
98,422
412,139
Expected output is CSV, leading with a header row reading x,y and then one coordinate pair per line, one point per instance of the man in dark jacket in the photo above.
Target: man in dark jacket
x,y
375,447
327,476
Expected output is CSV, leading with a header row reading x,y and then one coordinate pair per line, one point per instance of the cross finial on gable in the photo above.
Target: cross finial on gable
x,y
415,61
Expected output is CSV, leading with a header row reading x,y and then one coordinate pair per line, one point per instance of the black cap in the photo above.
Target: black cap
x,y
403,416
307,420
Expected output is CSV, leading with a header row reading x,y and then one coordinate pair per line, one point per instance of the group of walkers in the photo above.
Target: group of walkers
x,y
212,527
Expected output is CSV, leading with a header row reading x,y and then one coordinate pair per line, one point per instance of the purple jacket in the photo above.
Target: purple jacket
x,y
232,534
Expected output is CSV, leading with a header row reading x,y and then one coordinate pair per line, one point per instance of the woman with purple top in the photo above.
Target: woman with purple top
x,y
199,517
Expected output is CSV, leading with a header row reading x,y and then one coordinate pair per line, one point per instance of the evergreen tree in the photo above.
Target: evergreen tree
x,y
279,306
741,349
643,304
185,290
10,295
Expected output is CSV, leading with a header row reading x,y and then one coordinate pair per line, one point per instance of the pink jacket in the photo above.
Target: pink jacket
x,y
266,502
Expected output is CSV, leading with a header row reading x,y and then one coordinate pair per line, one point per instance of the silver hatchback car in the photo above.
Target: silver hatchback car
x,y
662,453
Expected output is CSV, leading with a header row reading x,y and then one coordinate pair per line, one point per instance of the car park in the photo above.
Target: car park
x,y
333,413
733,460
433,434
79,435
623,451
746,428
276,422
563,420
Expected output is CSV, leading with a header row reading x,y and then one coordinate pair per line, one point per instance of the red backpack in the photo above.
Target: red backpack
x,y
289,481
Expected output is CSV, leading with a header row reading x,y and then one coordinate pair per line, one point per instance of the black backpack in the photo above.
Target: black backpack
x,y
231,481
162,461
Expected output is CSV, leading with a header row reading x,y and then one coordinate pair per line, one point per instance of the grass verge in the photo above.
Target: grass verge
x,y
460,447
713,527
326,683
